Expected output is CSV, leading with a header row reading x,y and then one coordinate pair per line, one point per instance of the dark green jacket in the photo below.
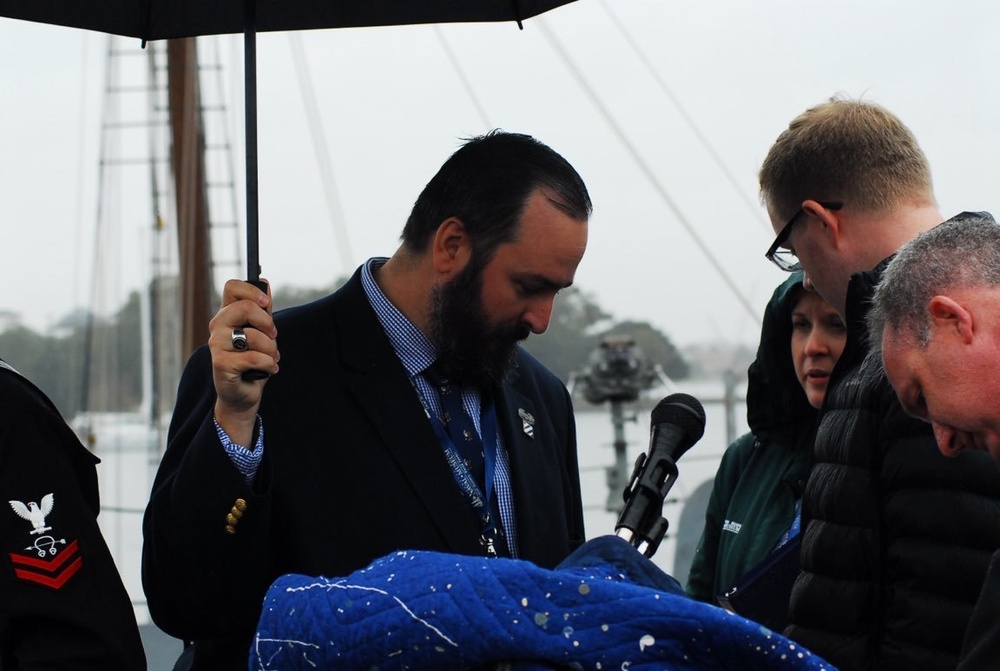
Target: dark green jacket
x,y
763,472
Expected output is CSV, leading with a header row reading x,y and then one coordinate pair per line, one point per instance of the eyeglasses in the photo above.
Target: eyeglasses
x,y
786,258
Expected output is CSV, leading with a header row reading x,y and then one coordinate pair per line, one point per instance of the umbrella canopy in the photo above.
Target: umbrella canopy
x,y
171,19
167,19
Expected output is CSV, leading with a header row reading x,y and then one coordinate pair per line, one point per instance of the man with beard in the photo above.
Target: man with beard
x,y
399,414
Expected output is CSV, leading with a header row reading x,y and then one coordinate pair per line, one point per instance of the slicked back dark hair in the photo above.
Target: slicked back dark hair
x,y
486,184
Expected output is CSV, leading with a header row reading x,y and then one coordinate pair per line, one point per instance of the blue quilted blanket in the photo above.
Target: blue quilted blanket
x,y
606,607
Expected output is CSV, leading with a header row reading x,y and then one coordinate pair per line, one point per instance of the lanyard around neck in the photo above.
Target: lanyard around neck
x,y
463,476
480,502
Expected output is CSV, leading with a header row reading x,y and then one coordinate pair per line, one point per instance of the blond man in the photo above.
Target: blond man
x,y
897,538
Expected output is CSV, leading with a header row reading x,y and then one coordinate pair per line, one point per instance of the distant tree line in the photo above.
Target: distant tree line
x,y
579,324
57,362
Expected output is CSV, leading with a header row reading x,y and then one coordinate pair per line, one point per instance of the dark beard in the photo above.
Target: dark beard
x,y
471,352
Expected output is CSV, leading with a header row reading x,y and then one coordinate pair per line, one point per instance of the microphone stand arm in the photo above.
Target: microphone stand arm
x,y
641,522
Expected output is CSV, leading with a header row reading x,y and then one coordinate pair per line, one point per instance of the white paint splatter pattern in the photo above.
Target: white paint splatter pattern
x,y
586,618
329,585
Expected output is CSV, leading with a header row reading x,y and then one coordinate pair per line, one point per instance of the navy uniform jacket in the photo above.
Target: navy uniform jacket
x,y
62,602
352,471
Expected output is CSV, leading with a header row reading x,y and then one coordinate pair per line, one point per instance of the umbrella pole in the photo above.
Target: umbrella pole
x,y
250,89
250,86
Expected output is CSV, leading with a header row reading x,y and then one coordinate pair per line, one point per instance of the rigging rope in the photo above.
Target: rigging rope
x,y
466,83
647,170
327,180
688,119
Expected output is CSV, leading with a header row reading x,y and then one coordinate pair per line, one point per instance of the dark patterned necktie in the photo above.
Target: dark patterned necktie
x,y
462,432
459,425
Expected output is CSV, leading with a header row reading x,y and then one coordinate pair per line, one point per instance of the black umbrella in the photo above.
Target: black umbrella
x,y
169,19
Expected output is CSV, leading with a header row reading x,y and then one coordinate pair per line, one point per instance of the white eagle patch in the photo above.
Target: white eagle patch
x,y
35,512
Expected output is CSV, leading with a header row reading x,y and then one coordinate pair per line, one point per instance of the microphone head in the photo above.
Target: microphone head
x,y
684,411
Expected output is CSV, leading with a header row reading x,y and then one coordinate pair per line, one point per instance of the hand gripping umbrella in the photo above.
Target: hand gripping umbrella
x,y
168,19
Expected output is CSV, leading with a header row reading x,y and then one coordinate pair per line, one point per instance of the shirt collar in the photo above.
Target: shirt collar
x,y
414,349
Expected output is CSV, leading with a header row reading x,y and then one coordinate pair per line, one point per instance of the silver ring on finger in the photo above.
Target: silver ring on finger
x,y
239,340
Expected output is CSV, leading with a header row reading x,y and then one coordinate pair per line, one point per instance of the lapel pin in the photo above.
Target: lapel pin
x,y
527,422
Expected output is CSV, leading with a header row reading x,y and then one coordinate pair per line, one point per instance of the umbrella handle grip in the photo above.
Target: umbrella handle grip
x,y
253,375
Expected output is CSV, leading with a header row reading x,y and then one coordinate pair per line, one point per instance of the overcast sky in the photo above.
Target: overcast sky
x,y
673,240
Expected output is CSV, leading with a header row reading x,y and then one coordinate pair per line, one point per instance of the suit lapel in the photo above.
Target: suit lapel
x,y
526,447
380,383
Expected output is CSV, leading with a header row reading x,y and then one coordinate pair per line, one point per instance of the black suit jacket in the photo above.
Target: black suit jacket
x,y
352,471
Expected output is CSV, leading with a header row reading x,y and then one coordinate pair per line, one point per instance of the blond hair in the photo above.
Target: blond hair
x,y
852,151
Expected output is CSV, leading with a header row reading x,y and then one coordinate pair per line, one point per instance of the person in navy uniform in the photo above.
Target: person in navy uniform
x,y
62,602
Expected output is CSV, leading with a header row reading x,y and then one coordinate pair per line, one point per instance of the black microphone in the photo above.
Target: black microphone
x,y
676,423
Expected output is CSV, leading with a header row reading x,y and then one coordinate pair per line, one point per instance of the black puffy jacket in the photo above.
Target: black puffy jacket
x,y
897,538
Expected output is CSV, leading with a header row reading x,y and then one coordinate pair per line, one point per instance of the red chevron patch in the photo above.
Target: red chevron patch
x,y
52,573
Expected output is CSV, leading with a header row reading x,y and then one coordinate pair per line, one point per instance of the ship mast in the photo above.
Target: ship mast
x,y
187,162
